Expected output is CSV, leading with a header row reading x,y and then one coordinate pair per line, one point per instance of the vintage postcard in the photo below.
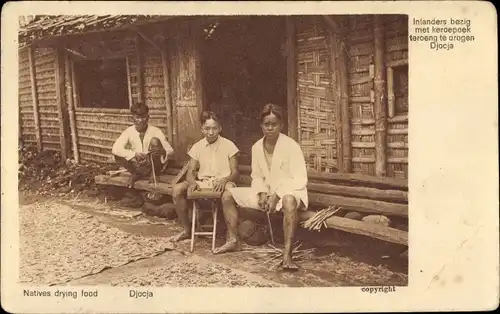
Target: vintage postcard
x,y
244,157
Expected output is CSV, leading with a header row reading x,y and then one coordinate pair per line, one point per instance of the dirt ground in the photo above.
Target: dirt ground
x,y
69,240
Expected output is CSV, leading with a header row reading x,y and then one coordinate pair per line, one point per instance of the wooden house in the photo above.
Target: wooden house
x,y
343,81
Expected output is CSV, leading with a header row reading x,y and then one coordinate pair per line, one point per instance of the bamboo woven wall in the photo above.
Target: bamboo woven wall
x,y
397,53
317,134
26,115
45,67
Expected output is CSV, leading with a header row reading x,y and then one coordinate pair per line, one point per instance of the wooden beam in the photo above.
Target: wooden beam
x,y
129,82
380,101
291,78
146,38
61,103
359,204
140,69
351,178
386,195
34,98
362,228
167,90
71,106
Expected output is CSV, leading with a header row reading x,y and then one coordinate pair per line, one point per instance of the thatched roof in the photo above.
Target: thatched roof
x,y
47,26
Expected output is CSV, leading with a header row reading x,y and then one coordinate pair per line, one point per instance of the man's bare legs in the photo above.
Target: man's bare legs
x,y
290,224
231,218
181,208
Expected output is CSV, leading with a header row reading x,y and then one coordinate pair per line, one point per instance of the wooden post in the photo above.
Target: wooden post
x,y
140,69
129,83
34,97
380,101
339,53
61,103
291,78
334,46
390,92
71,107
167,89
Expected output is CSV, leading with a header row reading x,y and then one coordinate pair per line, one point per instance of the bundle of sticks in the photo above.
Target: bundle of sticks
x,y
318,221
273,253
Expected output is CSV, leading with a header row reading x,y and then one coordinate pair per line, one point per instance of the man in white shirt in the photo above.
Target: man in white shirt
x,y
215,158
140,144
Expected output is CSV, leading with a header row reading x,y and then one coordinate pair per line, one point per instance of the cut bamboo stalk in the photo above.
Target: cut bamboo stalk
x,y
71,111
397,131
380,104
167,90
292,111
61,102
34,95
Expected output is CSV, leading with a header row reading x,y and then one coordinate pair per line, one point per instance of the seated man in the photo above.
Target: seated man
x,y
279,180
216,160
140,143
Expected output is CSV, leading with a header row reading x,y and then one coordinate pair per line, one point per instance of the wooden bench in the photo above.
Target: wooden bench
x,y
164,185
354,192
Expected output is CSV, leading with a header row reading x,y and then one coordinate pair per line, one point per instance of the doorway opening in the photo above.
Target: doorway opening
x,y
244,66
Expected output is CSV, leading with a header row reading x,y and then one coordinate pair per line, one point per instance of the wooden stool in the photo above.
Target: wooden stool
x,y
214,198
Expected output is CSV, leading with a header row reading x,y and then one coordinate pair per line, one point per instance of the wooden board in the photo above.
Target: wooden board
x,y
122,180
359,227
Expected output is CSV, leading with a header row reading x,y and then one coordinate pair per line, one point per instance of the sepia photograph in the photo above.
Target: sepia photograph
x,y
213,151
249,157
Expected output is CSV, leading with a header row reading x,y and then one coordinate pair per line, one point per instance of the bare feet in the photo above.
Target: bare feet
x,y
288,265
184,235
230,246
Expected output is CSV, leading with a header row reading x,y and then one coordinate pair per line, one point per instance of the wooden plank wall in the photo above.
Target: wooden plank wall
x,y
45,67
26,112
187,91
317,110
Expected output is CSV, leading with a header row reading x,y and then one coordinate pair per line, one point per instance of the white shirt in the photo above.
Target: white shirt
x,y
213,158
129,142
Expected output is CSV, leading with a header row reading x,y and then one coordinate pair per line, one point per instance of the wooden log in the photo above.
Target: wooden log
x,y
362,228
343,190
352,178
380,103
61,103
34,97
360,205
167,90
71,109
291,80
